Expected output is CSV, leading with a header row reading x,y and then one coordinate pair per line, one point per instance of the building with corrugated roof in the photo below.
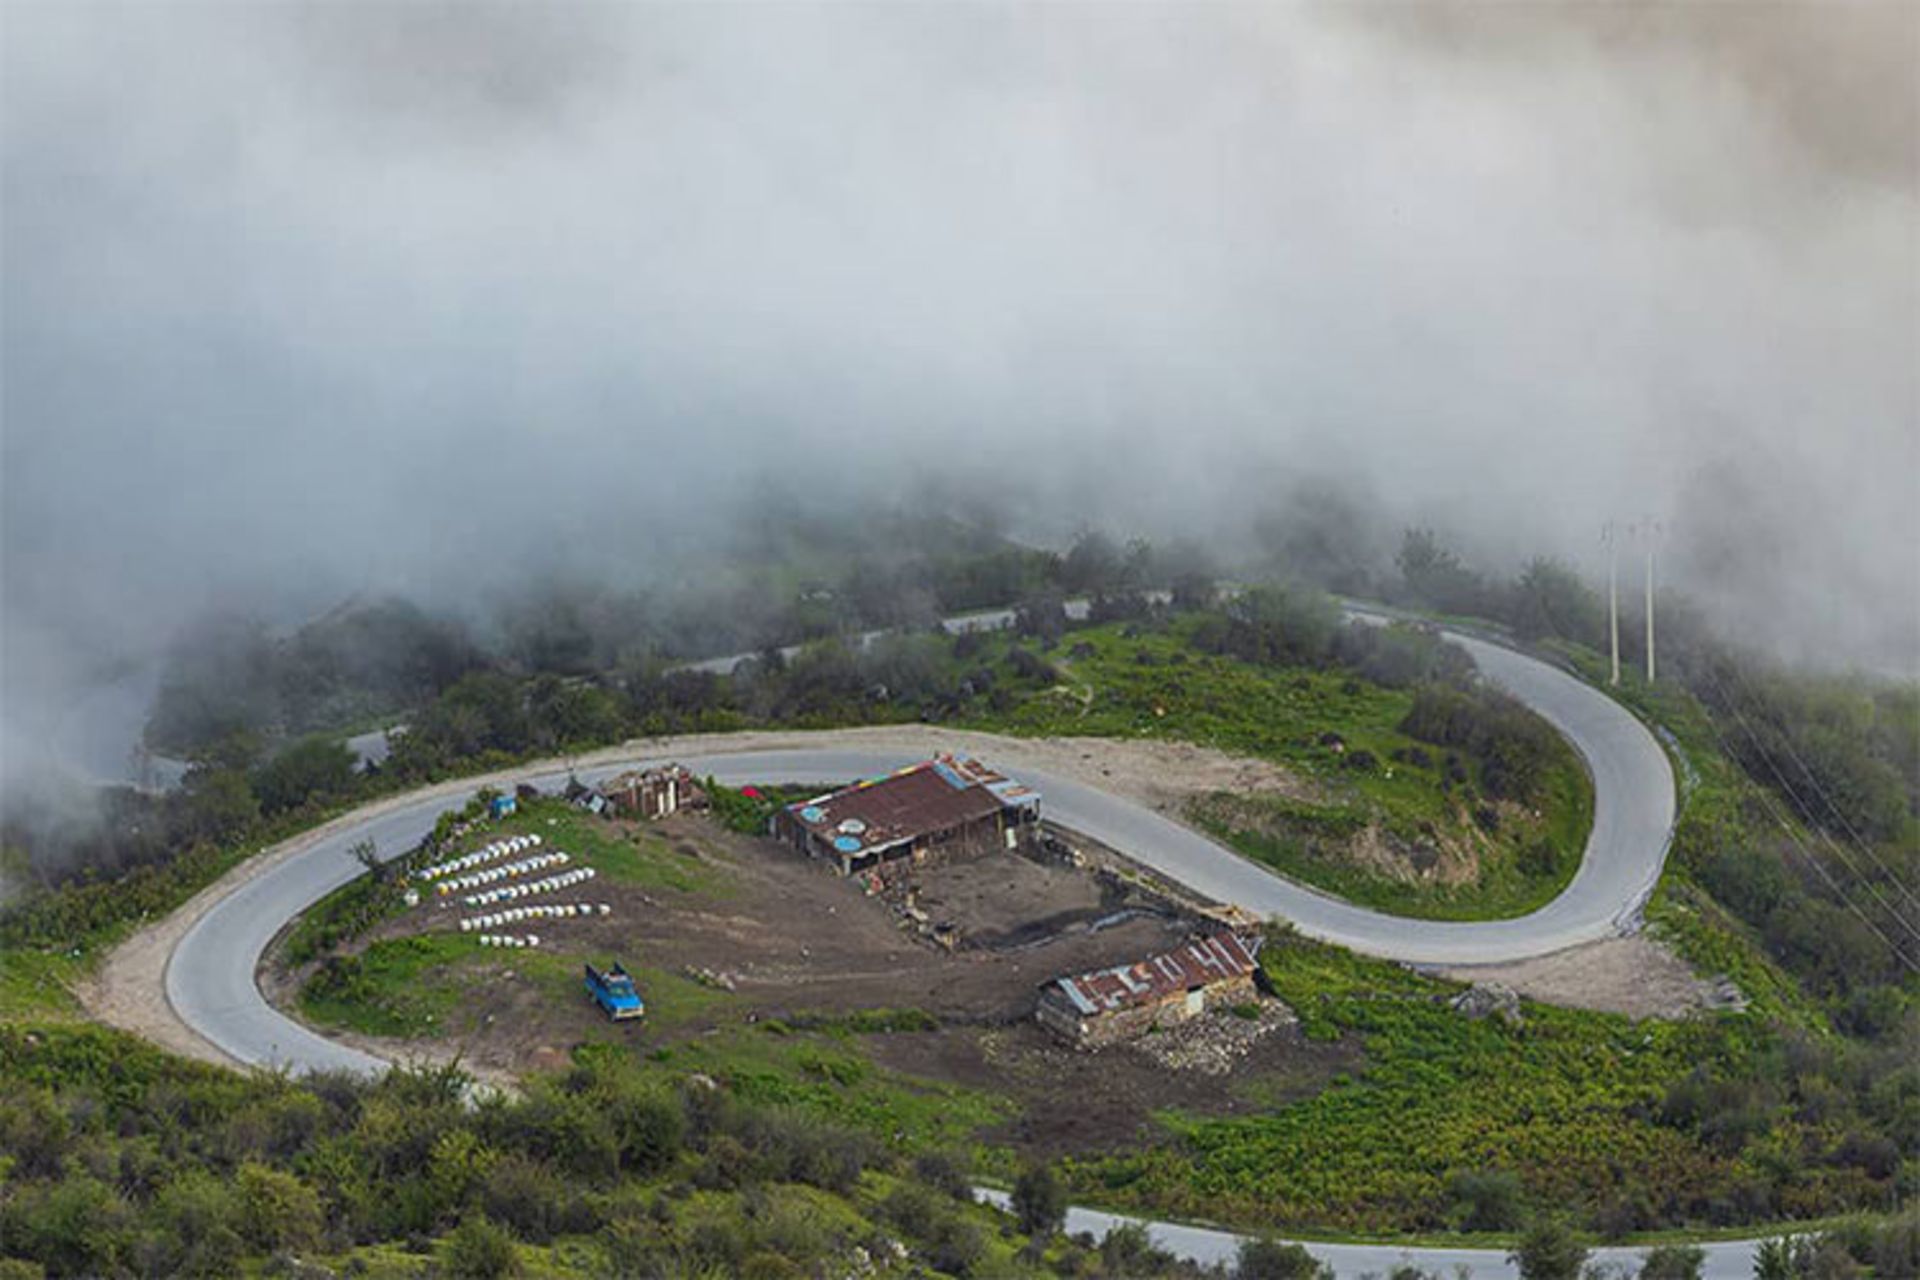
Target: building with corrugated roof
x,y
1110,1005
943,807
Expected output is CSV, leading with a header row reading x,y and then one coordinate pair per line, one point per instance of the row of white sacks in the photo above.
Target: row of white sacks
x,y
555,912
474,879
498,849
508,892
509,940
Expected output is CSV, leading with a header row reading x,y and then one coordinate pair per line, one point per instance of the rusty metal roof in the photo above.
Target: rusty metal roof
x,y
1212,959
922,799
657,776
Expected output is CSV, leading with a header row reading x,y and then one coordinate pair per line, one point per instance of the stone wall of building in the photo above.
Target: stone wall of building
x,y
1057,1013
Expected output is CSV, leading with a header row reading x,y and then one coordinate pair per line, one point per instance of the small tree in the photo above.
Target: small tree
x,y
1267,1259
277,1210
367,854
1673,1262
1127,1250
480,1250
1896,1247
1039,1201
1548,1251
1486,1200
1773,1259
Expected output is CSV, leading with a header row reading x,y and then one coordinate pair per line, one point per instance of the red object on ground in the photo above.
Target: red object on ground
x,y
752,792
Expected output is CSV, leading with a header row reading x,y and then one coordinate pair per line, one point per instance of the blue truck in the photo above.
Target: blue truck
x,y
614,992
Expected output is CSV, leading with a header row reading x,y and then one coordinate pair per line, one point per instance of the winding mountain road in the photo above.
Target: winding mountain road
x,y
210,968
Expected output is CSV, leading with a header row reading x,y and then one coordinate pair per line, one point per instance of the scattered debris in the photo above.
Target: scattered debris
x,y
1211,1045
1489,999
1723,992
712,978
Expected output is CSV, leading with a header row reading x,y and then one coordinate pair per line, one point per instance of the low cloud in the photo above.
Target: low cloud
x,y
308,300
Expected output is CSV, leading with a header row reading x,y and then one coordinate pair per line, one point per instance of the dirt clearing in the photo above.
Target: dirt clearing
x,y
724,930
1635,976
1073,1102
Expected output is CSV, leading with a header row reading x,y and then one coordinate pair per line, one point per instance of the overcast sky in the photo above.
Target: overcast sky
x,y
304,300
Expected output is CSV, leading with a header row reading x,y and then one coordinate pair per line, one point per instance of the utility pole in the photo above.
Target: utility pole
x,y
1610,537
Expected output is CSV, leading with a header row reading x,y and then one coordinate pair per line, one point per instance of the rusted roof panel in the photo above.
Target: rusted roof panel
x,y
1212,959
922,799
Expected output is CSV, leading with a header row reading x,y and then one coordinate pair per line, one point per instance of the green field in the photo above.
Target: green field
x,y
1589,1110
420,985
1154,684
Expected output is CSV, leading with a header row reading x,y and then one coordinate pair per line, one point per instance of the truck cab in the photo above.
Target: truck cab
x,y
613,990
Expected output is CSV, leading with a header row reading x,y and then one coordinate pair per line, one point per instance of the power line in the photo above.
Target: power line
x,y
1773,767
1826,797
1787,827
1794,796
1820,870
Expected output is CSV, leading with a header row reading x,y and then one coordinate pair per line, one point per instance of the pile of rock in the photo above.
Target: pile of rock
x,y
1212,1043
712,978
1489,1000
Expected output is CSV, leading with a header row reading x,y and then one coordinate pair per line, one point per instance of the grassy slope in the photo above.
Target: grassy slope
x,y
418,985
1567,1100
1281,715
102,1073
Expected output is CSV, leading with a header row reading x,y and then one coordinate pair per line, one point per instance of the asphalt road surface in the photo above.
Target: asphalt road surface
x,y
210,974
1725,1259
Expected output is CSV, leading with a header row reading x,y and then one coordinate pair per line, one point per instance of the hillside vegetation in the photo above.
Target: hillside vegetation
x,y
121,1161
1793,870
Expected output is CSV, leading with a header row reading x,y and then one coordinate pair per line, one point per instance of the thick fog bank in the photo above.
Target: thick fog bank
x,y
303,301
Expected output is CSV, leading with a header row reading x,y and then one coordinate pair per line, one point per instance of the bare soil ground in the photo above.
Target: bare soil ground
x,y
1022,904
128,989
783,938
1635,976
1075,1101
798,943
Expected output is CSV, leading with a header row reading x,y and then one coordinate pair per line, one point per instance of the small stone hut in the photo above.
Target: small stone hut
x,y
1111,1005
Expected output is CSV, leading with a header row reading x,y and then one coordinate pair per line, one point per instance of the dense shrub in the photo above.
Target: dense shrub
x,y
1265,1259
1039,1200
1548,1251
1512,745
480,1250
1486,1200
